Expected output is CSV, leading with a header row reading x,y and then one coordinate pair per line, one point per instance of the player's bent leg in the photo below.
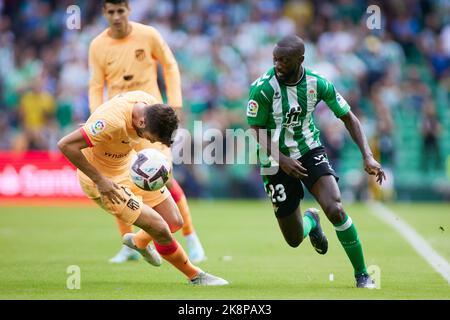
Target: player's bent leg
x,y
295,228
327,193
152,222
285,193
194,246
291,227
90,189
168,210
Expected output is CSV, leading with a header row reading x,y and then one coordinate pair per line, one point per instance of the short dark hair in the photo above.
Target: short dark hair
x,y
294,43
161,120
115,2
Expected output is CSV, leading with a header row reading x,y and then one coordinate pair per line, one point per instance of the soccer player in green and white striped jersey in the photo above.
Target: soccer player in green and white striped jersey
x,y
282,102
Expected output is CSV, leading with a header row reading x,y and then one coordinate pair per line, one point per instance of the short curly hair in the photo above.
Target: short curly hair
x,y
161,121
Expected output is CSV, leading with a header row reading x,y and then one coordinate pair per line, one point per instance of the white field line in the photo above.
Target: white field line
x,y
415,240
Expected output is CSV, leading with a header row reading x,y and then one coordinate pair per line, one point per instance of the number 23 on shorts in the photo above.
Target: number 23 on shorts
x,y
277,192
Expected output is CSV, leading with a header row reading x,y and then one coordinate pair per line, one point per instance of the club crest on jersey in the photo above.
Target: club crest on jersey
x,y
97,127
252,108
311,94
293,117
140,54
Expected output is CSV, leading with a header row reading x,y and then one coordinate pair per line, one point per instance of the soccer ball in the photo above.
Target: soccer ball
x,y
149,169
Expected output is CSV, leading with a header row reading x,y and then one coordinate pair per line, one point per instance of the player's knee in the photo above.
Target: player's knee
x,y
160,233
294,242
335,212
176,225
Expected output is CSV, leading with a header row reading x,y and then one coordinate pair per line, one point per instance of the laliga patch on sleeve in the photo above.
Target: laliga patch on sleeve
x,y
252,108
340,100
97,127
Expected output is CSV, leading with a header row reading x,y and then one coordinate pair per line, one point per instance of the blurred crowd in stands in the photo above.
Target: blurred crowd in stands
x,y
400,70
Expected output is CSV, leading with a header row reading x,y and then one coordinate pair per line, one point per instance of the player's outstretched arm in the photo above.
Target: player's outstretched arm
x,y
353,126
71,146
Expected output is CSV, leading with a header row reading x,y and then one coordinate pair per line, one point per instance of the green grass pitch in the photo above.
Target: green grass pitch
x,y
37,244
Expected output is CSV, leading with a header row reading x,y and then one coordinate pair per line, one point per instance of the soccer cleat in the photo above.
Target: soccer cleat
x,y
365,281
318,239
206,279
149,253
125,254
194,248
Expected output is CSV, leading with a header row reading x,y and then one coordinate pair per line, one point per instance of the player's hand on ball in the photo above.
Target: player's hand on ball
x,y
292,167
110,190
372,167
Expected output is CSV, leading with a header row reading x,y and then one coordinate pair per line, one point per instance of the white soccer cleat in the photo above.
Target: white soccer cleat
x,y
149,253
206,279
195,249
125,254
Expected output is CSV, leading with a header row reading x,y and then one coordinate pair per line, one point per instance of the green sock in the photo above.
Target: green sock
x,y
308,224
348,236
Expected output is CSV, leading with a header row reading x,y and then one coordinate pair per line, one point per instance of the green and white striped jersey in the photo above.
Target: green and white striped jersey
x,y
287,111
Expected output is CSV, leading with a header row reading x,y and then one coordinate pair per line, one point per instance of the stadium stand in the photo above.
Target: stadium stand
x,y
388,75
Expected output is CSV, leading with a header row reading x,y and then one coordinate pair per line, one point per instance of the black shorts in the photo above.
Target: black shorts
x,y
285,192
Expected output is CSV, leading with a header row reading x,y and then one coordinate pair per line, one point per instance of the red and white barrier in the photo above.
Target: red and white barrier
x,y
37,174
